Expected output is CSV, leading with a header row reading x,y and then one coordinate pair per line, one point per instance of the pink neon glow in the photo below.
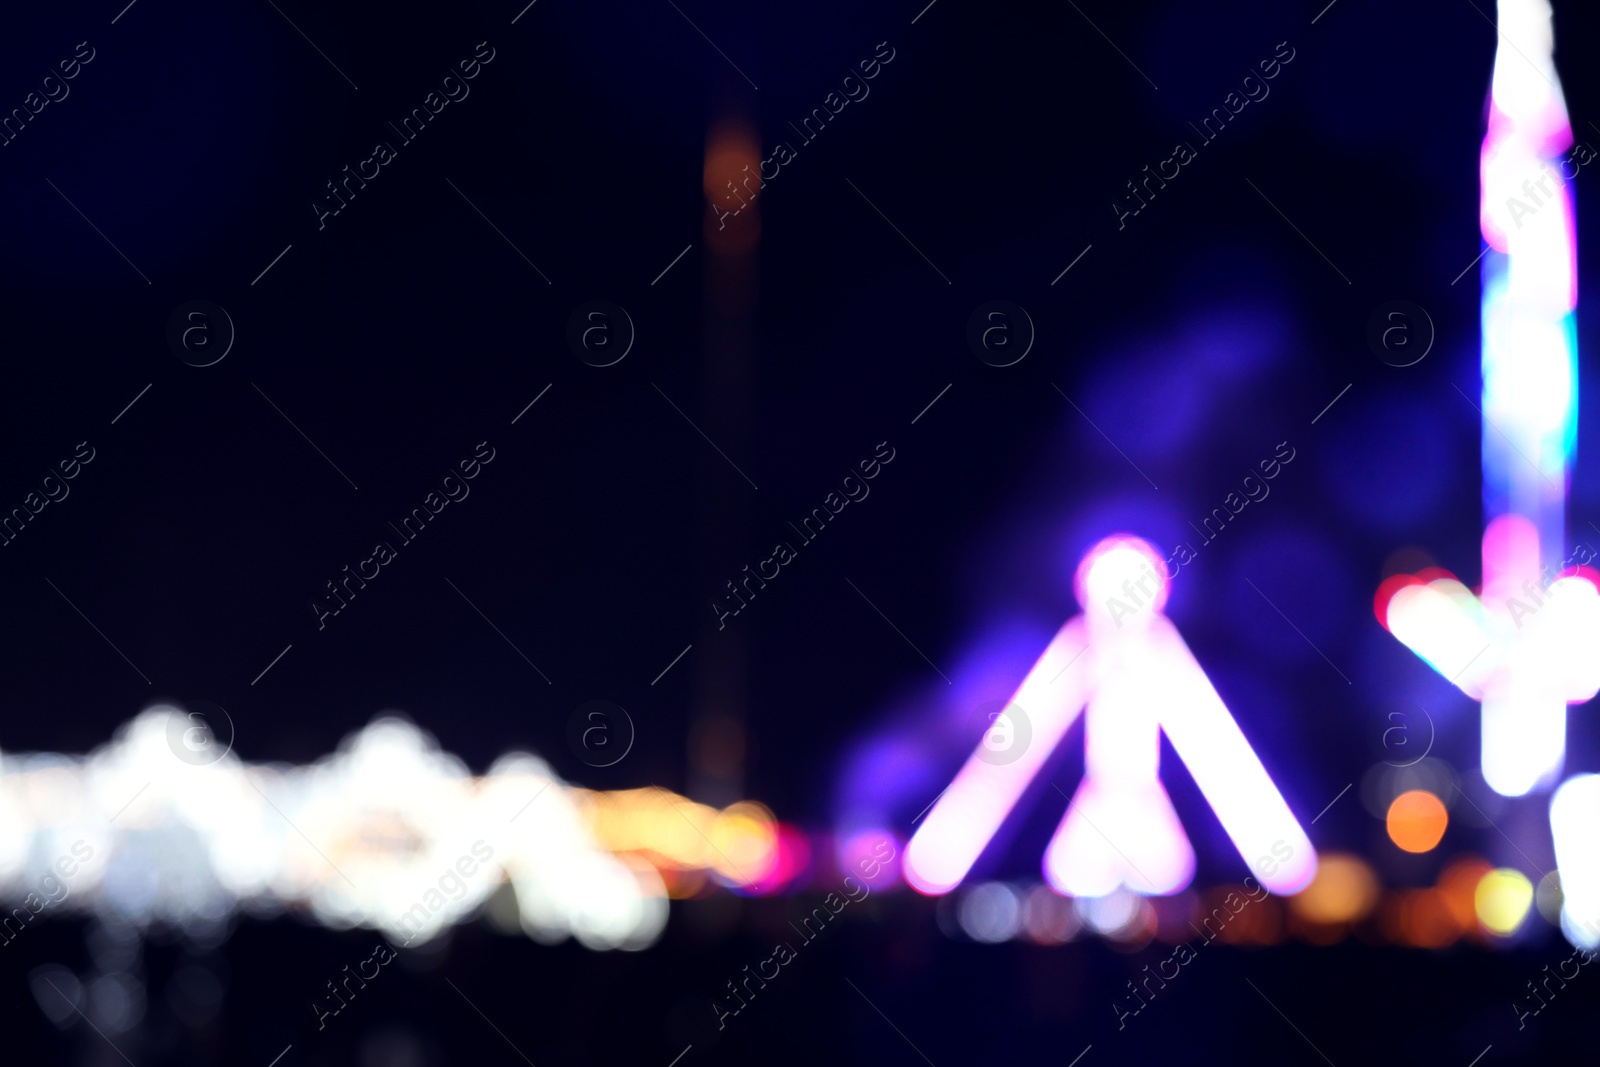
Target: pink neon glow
x,y
1443,623
791,858
1121,567
861,856
1137,678
1229,773
1524,707
1119,835
966,816
1527,115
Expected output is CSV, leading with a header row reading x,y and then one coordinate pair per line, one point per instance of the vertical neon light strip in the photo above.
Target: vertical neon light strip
x,y
1529,383
1524,675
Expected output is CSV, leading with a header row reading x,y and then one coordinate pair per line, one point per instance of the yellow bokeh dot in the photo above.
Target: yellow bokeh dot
x,y
1502,900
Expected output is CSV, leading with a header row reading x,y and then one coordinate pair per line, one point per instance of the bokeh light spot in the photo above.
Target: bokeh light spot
x,y
1503,899
1417,820
1344,890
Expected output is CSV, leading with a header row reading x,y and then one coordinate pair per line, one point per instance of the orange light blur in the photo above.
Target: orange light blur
x,y
738,843
1262,924
1458,884
685,883
732,182
1259,922
1344,891
1420,918
1417,820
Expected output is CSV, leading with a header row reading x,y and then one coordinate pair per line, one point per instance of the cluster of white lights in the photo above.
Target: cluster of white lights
x,y
388,832
992,912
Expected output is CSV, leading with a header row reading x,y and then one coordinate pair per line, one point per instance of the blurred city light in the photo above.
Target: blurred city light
x,y
1417,820
1345,890
990,912
1574,813
1503,899
1524,678
1120,829
388,833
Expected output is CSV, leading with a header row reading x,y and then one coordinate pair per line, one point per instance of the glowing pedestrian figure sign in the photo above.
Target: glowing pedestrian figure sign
x,y
1525,671
1133,676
